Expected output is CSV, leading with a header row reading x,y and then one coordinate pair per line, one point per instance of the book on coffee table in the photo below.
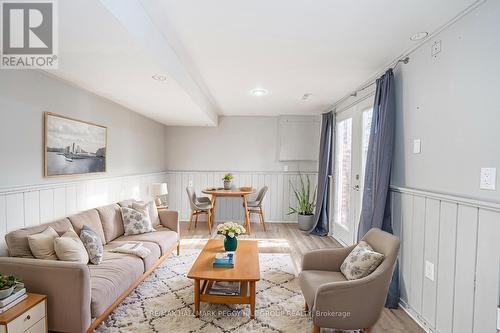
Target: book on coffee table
x,y
225,259
228,288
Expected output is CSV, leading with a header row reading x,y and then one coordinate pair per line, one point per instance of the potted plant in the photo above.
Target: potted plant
x,y
228,177
306,201
7,285
231,230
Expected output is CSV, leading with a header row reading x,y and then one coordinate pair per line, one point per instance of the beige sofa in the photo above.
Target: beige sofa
x,y
81,296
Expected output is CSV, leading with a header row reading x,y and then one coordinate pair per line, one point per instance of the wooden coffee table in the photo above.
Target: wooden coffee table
x,y
246,271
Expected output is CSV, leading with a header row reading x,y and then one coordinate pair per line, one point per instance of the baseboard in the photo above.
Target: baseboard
x,y
416,318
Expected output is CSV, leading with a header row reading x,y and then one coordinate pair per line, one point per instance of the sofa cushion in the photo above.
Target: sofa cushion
x,y
150,260
111,220
69,247
42,244
89,218
311,280
116,273
164,237
17,241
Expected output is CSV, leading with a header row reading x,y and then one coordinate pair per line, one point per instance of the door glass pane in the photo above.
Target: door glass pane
x,y
343,174
367,126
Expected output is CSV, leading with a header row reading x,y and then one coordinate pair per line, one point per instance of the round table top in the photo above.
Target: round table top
x,y
219,191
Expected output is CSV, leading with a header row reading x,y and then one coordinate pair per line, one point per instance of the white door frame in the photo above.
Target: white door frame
x,y
347,236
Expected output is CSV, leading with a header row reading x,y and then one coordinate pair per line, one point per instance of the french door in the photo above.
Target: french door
x,y
352,134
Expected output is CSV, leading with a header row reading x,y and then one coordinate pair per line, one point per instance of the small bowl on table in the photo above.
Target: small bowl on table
x,y
246,189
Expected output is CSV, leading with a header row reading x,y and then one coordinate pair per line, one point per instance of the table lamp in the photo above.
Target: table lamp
x,y
157,191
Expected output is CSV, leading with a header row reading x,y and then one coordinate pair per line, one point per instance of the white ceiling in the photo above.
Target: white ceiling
x,y
215,52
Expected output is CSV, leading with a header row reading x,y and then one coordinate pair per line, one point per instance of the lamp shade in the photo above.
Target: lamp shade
x,y
157,189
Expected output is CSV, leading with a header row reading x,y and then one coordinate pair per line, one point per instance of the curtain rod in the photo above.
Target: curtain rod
x,y
404,60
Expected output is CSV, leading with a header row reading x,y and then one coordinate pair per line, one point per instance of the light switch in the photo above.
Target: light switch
x,y
498,319
416,146
429,270
488,178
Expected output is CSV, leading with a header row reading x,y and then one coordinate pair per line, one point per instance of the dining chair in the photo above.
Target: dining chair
x,y
255,206
199,206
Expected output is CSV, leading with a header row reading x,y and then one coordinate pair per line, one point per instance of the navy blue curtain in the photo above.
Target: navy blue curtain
x,y
375,210
321,214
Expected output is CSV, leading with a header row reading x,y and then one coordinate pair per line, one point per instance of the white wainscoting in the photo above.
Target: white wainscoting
x,y
276,203
35,204
461,238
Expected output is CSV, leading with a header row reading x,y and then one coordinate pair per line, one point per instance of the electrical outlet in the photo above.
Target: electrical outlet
x,y
416,146
488,179
429,270
436,48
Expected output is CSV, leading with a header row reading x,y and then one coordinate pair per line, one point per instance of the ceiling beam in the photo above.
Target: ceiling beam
x,y
134,17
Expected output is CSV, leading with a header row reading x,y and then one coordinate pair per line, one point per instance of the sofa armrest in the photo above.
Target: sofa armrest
x,y
170,219
325,259
66,284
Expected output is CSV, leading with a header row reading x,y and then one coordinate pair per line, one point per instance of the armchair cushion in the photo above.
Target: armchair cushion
x,y
361,262
310,281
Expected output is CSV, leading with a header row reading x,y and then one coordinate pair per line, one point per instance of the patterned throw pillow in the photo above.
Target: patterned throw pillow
x,y
93,244
135,222
148,208
361,262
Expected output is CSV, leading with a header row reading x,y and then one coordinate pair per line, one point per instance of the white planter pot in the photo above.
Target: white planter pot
x,y
227,185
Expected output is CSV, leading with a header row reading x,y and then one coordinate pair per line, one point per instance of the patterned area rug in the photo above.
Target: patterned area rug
x,y
164,302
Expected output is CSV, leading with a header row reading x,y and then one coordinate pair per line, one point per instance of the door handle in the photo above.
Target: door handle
x,y
355,187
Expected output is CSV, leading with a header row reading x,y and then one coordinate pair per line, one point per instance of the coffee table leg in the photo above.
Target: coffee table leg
x,y
197,298
252,299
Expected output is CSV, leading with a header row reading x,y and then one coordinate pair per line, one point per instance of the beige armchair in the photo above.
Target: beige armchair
x,y
336,302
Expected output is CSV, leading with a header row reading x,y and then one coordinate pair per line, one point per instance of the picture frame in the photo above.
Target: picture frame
x,y
73,147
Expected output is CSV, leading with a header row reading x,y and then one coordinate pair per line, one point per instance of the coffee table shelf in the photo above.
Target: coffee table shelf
x,y
246,271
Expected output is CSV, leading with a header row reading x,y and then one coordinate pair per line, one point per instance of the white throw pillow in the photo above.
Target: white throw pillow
x,y
361,262
42,244
135,222
150,209
69,247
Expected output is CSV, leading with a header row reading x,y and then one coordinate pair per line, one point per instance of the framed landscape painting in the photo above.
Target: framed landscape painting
x,y
73,146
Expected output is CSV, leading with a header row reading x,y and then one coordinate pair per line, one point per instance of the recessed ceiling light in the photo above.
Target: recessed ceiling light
x,y
159,77
419,36
259,92
306,96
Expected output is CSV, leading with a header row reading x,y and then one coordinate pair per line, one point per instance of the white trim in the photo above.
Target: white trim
x,y
77,180
477,203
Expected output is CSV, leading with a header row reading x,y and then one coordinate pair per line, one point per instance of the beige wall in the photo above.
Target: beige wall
x,y
236,144
134,142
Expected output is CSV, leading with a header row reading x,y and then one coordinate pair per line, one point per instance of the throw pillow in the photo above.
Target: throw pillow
x,y
361,262
42,244
150,209
69,247
93,244
135,222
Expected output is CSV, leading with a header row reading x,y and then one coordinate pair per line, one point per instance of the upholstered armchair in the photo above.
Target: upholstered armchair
x,y
336,302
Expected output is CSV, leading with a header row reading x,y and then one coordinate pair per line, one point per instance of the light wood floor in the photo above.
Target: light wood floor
x,y
286,238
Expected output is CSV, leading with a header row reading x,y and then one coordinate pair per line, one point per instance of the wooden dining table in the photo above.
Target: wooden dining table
x,y
237,192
